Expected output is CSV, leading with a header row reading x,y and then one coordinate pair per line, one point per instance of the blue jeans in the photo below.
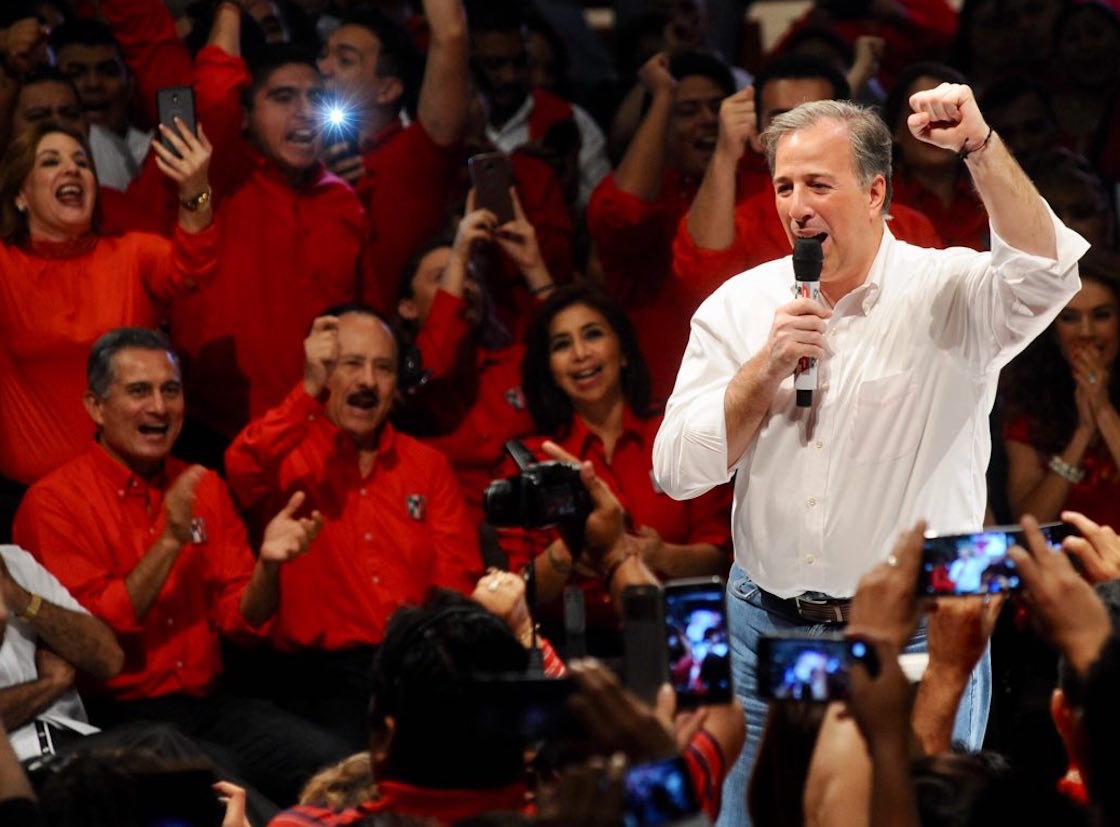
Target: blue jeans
x,y
748,622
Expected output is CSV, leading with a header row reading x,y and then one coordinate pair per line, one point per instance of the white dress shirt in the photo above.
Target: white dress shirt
x,y
17,654
593,163
116,159
898,429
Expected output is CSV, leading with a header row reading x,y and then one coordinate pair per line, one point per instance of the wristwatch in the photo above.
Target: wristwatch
x,y
197,202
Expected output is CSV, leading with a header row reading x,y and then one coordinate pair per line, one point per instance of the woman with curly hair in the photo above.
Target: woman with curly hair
x,y
1061,427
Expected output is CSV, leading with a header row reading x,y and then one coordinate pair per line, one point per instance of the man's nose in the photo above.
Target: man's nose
x,y
158,403
799,209
326,66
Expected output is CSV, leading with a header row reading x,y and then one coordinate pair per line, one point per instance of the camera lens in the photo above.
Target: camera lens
x,y
859,648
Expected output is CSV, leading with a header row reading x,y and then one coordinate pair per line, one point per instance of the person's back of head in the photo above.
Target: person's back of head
x,y
774,794
423,732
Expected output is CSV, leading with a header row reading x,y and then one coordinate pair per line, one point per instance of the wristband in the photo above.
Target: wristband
x,y
544,288
197,202
608,577
1066,471
965,151
33,607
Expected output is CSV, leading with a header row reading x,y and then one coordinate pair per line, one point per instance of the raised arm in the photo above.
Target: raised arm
x,y
442,107
711,219
948,117
642,167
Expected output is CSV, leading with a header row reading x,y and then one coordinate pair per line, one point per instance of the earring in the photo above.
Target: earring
x,y
22,208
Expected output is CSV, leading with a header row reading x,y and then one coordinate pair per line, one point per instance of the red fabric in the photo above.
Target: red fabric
x,y
548,110
372,555
964,223
92,521
759,237
629,474
443,806
706,767
53,306
286,254
156,57
479,399
1097,496
149,205
405,192
927,34
633,238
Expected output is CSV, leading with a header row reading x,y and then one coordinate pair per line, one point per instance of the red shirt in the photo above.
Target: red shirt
x,y
442,806
473,404
629,474
90,523
55,301
286,254
406,189
387,538
760,237
964,223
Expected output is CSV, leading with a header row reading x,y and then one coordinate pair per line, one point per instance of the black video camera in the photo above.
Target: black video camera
x,y
543,494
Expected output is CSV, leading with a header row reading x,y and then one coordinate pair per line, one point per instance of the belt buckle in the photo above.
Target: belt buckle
x,y
821,606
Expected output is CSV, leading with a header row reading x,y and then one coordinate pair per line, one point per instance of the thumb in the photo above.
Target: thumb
x,y
294,503
665,704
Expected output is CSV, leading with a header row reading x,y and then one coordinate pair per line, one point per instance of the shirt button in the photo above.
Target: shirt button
x,y
375,579
362,491
819,444
367,537
170,621
120,493
178,664
824,386
812,502
810,559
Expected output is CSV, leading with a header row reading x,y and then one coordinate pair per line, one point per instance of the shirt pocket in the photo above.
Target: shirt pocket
x,y
885,427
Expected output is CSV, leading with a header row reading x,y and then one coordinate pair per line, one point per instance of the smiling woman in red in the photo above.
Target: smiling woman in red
x,y
63,284
588,389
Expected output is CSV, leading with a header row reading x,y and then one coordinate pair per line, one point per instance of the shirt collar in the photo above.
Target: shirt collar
x,y
582,435
446,806
123,479
382,136
516,121
347,447
864,297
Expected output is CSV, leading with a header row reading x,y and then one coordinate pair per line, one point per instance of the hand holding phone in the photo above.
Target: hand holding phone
x,y
698,641
492,178
176,102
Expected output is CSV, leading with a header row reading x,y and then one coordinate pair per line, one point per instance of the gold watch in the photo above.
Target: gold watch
x,y
197,202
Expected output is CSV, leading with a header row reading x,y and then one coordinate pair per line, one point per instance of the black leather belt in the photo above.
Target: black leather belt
x,y
809,609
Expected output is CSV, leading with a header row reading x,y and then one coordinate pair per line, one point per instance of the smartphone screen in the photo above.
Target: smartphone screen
x,y
977,563
808,669
340,123
530,707
176,102
658,793
492,177
699,652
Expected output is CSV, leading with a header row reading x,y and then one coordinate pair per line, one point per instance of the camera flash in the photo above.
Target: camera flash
x,y
336,115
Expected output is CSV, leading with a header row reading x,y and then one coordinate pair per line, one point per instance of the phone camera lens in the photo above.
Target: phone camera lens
x,y
859,648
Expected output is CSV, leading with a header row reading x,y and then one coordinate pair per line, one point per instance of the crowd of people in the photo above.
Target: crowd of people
x,y
261,360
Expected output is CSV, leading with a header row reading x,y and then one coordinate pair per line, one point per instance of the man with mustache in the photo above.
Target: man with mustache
x,y
395,524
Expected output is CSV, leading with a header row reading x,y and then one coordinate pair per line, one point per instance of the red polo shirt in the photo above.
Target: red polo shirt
x,y
286,254
387,538
760,237
90,523
405,192
964,223
55,301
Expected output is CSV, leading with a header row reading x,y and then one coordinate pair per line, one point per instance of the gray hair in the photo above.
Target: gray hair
x,y
99,366
870,139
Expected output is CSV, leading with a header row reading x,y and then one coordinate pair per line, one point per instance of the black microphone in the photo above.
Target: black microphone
x,y
807,261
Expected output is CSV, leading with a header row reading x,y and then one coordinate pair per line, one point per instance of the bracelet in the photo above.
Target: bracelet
x,y
33,607
195,203
1066,471
544,288
608,578
965,151
557,566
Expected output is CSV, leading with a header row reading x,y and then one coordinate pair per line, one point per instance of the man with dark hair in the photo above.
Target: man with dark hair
x,y
157,551
729,229
293,235
516,114
634,212
85,52
403,174
395,523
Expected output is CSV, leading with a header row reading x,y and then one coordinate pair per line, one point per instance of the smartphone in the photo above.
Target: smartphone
x,y
492,177
810,668
645,664
658,793
176,102
178,797
977,562
534,708
697,640
340,123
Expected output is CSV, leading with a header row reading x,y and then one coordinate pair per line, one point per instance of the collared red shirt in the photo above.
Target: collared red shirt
x,y
964,223
387,538
898,430
55,301
91,522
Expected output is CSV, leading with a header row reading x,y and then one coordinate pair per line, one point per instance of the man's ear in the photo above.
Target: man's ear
x,y
878,193
92,403
380,743
406,309
389,90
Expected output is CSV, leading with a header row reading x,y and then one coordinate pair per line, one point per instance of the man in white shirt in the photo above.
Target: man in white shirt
x,y
909,344
48,636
